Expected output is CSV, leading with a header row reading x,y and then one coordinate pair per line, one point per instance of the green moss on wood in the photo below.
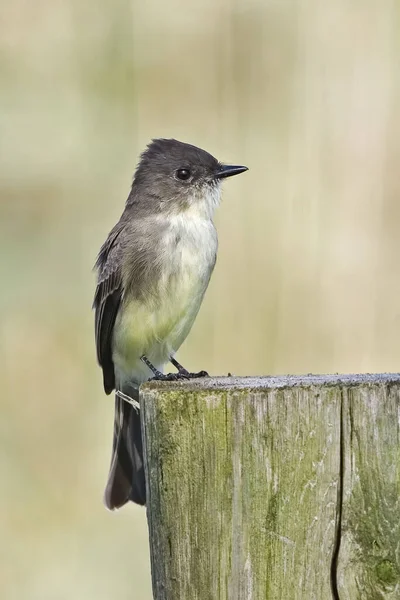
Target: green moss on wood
x,y
371,512
244,490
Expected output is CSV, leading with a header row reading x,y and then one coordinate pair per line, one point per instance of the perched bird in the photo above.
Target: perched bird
x,y
153,271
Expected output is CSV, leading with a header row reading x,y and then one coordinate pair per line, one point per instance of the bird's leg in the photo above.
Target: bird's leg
x,y
158,376
183,371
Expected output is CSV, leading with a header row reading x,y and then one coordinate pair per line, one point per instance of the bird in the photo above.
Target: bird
x,y
152,274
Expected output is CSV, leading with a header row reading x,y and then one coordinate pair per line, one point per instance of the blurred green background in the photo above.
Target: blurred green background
x,y
307,280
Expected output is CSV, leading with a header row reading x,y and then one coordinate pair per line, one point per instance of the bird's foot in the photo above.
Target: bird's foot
x,y
193,375
183,371
168,376
181,374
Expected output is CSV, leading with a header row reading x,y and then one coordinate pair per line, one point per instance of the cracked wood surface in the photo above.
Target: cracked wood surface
x,y
274,488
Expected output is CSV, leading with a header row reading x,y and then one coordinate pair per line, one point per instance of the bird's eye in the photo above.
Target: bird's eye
x,y
183,174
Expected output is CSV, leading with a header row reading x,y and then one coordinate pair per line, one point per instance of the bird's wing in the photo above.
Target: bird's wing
x,y
107,299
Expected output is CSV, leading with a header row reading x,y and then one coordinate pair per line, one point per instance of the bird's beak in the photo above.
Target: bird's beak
x,y
229,170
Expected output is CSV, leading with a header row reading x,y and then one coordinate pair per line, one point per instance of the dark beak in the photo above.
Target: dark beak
x,y
229,170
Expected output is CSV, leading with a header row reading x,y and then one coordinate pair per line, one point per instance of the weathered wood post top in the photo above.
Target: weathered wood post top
x,y
274,488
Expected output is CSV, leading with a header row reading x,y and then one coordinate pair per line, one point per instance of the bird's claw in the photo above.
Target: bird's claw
x,y
198,375
194,375
169,377
181,375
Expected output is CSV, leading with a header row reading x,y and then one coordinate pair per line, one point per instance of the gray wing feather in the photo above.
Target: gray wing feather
x,y
106,303
126,479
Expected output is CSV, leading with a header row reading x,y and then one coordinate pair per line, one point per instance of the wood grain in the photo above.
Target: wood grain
x,y
258,487
369,557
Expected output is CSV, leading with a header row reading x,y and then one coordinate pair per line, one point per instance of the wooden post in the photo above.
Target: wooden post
x,y
274,488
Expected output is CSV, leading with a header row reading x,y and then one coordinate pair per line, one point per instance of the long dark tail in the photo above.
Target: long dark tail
x,y
126,479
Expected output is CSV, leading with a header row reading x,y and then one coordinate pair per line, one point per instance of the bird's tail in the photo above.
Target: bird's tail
x,y
126,480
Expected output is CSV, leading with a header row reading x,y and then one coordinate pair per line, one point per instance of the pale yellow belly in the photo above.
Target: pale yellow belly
x,y
156,328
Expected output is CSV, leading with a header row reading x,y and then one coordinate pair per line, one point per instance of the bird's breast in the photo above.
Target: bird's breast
x,y
158,324
189,247
189,253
